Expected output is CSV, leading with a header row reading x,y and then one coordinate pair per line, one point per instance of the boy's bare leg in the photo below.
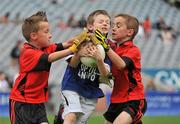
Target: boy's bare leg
x,y
123,118
70,118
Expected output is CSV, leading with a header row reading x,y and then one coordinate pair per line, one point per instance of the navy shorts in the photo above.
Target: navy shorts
x,y
136,108
27,113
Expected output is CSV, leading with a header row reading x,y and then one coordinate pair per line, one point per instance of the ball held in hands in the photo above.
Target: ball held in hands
x,y
91,62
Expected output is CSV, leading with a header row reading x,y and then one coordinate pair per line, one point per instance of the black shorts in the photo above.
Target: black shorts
x,y
27,113
136,108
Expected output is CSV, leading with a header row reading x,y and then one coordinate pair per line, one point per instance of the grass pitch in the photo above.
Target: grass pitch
x,y
98,119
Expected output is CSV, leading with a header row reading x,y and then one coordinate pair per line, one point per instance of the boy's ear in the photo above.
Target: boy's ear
x,y
90,27
130,32
33,35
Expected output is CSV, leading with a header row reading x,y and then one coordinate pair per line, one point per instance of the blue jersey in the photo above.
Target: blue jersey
x,y
83,80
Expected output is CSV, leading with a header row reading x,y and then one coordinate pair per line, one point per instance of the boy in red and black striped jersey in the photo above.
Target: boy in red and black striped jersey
x,y
128,104
30,89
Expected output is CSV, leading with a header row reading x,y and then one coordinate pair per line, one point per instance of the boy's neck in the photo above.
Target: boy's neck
x,y
121,41
34,44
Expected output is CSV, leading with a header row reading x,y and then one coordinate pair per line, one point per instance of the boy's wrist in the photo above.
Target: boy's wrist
x,y
100,60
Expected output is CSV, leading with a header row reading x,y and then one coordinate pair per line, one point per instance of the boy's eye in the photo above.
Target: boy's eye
x,y
117,25
107,22
100,21
47,31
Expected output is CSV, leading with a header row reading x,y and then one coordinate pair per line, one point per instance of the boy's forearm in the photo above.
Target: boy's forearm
x,y
116,59
102,68
58,55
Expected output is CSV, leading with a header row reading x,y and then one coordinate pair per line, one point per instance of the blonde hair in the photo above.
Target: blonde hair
x,y
90,19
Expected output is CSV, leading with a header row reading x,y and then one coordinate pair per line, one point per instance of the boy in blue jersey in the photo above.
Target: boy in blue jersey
x,y
80,85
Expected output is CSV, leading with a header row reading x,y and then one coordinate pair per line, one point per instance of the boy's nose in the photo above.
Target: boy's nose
x,y
113,29
104,23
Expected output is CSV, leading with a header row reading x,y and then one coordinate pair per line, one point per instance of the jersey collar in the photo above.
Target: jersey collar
x,y
128,42
27,45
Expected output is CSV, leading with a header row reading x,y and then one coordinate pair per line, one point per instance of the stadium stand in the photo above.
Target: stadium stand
x,y
154,52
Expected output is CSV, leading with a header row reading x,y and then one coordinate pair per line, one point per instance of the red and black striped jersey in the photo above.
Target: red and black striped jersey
x,y
128,82
31,85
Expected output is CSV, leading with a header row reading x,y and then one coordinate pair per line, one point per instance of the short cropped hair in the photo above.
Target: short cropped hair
x,y
90,19
131,23
31,24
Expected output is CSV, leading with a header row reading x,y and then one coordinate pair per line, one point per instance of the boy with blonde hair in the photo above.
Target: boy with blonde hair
x,y
80,85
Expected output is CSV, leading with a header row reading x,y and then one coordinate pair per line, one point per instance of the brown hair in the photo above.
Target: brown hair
x,y
131,23
90,19
31,24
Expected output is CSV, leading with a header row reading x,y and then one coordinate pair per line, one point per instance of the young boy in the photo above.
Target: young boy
x,y
128,103
80,85
30,89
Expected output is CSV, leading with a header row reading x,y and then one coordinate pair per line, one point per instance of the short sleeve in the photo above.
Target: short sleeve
x,y
50,49
132,57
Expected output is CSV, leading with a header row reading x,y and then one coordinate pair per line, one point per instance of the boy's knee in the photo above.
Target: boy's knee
x,y
71,117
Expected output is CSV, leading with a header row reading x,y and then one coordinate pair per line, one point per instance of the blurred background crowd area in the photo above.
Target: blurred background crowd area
x,y
158,36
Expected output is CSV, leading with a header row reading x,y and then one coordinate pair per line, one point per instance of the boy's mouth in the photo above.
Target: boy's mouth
x,y
104,29
113,33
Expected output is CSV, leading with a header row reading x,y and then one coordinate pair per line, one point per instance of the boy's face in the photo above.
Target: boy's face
x,y
101,22
43,36
119,29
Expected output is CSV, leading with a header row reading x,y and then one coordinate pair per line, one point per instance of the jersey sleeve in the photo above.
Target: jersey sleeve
x,y
132,58
129,62
53,48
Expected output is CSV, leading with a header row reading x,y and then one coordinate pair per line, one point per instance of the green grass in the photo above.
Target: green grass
x,y
162,120
146,120
99,120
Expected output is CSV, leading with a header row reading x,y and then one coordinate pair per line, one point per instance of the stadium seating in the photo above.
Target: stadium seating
x,y
154,52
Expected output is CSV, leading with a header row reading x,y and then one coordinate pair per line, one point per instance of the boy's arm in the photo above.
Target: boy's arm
x,y
64,45
104,71
95,53
63,53
116,59
67,44
73,43
76,58
59,55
